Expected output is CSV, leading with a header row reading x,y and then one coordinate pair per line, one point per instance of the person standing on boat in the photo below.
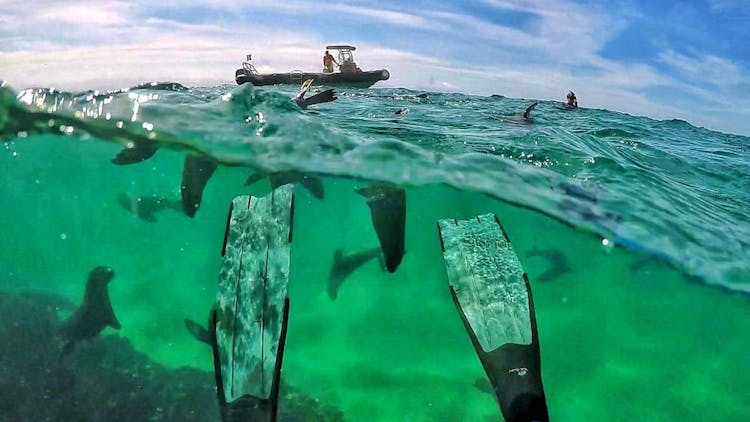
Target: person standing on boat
x,y
328,62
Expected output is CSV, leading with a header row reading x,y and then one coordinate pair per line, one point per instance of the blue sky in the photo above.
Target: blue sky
x,y
663,59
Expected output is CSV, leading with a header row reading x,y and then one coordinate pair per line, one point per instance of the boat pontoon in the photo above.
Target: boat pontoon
x,y
349,74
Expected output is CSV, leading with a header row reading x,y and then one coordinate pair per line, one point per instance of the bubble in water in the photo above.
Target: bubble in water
x,y
63,236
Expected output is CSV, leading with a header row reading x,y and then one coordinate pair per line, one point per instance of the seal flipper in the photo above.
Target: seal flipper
x,y
198,331
527,113
335,279
388,211
148,216
254,178
195,174
557,263
313,184
144,208
140,151
112,320
104,310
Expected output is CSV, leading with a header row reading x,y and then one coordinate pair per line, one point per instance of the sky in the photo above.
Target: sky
x,y
686,60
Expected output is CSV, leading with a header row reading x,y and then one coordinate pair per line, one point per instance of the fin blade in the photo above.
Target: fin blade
x,y
319,98
249,318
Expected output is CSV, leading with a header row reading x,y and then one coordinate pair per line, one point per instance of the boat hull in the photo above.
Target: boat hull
x,y
353,79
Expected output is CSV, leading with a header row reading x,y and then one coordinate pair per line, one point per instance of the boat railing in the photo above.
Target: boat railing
x,y
249,68
296,76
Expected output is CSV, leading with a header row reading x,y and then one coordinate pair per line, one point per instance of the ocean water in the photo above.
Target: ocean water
x,y
635,235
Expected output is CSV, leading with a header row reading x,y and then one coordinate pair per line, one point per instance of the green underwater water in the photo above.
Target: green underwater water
x,y
635,331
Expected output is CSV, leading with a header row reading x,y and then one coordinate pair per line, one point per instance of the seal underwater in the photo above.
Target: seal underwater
x,y
557,263
388,209
198,331
313,184
146,207
344,265
94,314
196,171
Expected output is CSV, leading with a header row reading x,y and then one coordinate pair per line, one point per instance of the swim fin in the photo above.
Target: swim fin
x,y
493,299
248,328
321,97
248,407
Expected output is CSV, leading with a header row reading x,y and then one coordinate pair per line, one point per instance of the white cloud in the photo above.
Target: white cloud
x,y
182,55
311,8
568,30
711,69
388,16
87,13
500,34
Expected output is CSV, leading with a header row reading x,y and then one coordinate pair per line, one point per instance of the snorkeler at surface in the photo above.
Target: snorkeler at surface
x,y
572,101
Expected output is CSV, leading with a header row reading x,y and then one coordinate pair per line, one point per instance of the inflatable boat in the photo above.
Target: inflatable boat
x,y
349,74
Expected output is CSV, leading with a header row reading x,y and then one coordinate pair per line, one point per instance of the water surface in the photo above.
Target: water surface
x,y
646,222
